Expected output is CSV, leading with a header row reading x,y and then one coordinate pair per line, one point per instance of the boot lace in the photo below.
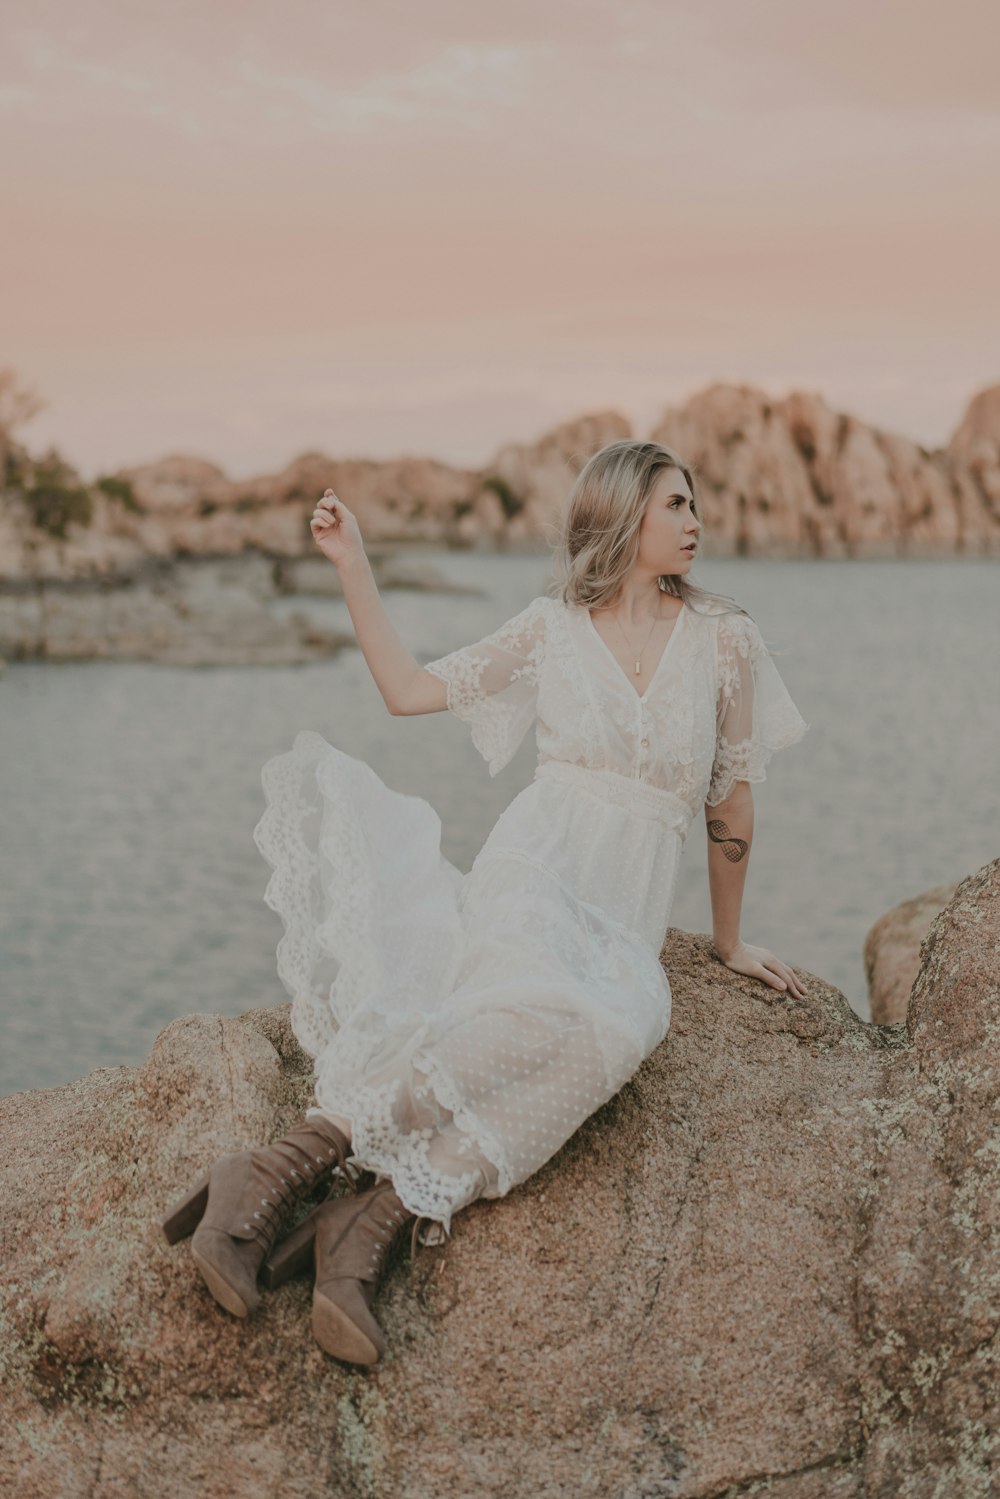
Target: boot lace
x,y
387,1221
427,1264
281,1192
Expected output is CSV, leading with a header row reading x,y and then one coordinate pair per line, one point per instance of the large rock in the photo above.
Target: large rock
x,y
532,480
179,483
768,1266
892,952
792,477
395,499
115,541
974,451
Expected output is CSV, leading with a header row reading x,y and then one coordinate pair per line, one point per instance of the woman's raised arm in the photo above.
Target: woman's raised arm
x,y
405,687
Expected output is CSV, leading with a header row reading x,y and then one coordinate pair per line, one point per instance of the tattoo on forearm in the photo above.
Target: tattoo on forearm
x,y
734,848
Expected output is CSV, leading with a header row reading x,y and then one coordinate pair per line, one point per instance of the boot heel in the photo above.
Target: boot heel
x,y
293,1254
183,1218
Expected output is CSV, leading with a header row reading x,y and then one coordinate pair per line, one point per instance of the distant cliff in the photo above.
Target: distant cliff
x,y
786,477
794,478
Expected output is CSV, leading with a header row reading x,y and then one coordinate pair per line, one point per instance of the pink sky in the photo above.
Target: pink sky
x,y
244,230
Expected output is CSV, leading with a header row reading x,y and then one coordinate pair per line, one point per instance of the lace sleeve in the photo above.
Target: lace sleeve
x,y
493,685
755,714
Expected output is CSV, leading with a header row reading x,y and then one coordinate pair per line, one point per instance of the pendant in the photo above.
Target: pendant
x,y
637,667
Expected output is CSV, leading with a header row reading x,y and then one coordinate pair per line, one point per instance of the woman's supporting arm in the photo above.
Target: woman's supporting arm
x,y
730,833
729,825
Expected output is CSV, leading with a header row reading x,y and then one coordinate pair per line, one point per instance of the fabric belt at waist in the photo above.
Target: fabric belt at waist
x,y
638,797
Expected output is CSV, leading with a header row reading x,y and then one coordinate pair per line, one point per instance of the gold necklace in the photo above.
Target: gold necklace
x,y
638,659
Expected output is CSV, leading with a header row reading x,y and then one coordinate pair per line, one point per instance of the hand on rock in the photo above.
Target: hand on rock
x,y
760,963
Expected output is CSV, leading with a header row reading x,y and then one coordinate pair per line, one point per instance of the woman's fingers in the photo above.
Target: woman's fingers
x,y
785,978
759,963
792,981
325,514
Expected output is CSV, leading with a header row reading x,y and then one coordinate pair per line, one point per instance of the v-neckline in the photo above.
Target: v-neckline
x,y
640,696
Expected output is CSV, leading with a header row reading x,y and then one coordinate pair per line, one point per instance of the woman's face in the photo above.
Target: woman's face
x,y
669,526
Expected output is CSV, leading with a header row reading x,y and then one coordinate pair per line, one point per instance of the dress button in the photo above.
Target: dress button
x,y
644,742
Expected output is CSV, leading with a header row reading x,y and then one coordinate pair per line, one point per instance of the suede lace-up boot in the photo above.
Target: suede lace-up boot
x,y
235,1210
349,1238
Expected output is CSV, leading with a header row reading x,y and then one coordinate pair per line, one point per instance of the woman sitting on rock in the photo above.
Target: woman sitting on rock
x,y
464,1026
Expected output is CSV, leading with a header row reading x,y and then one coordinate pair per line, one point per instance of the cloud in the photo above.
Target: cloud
x,y
42,56
462,84
60,85
16,98
224,88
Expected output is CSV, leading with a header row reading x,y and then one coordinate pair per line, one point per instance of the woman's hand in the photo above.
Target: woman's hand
x,y
759,963
335,530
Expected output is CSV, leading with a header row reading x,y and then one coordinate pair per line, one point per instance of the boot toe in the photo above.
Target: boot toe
x,y
344,1327
229,1269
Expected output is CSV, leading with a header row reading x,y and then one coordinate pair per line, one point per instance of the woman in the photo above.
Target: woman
x,y
464,1026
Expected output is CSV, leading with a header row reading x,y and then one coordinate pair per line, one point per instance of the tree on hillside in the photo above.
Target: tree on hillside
x,y
18,405
48,486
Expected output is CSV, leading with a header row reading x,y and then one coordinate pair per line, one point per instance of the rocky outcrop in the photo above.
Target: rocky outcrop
x,y
892,952
203,612
974,452
400,499
111,543
794,478
532,480
184,507
769,1265
402,568
195,611
788,477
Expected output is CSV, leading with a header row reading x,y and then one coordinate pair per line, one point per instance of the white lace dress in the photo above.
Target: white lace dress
x,y
467,1024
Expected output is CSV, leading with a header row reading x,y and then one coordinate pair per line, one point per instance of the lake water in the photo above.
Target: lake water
x,y
133,892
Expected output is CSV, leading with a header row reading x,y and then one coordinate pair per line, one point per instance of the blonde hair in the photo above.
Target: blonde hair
x,y
599,539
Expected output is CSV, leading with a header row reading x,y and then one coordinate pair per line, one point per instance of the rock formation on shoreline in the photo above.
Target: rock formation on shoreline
x,y
769,1265
199,612
892,952
794,478
778,478
788,477
193,611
